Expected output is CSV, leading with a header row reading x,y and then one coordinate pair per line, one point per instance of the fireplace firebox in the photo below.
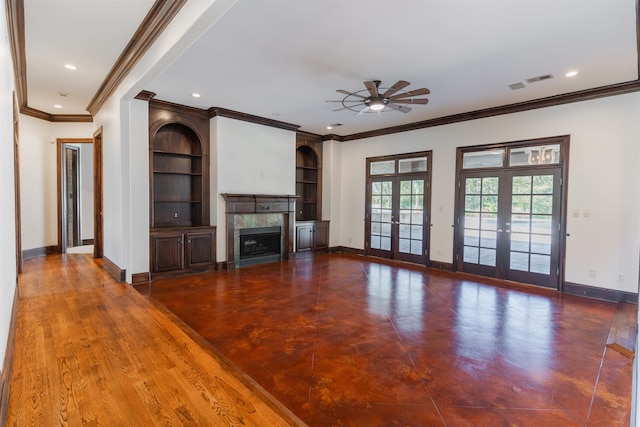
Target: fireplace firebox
x,y
260,245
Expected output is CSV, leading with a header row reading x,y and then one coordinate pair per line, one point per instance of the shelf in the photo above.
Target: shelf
x,y
176,154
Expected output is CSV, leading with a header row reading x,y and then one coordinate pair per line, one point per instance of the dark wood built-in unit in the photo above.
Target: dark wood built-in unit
x,y
181,239
312,236
308,177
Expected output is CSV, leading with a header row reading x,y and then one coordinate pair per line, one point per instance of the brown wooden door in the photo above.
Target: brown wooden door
x,y
168,252
200,248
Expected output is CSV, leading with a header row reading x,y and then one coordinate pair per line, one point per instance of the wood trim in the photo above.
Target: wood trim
x,y
86,242
347,250
38,252
5,378
74,118
16,184
159,17
15,23
223,112
98,223
119,274
583,95
140,278
447,266
145,95
600,293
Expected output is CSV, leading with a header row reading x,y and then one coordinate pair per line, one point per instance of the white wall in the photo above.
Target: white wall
x,y
38,176
7,194
247,158
603,179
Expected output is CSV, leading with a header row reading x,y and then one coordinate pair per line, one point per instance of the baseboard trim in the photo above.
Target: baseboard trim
x,y
119,274
599,293
441,265
140,278
5,375
346,250
38,252
86,242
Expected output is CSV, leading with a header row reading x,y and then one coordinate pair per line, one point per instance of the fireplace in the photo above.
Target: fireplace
x,y
260,245
252,221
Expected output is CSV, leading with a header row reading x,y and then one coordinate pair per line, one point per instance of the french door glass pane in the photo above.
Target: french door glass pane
x,y
381,194
480,220
531,223
411,214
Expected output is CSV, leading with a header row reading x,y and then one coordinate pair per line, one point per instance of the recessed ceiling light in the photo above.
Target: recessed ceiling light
x,y
195,95
571,74
57,106
70,67
333,125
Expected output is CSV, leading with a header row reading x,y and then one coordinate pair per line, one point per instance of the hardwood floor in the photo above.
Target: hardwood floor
x,y
345,340
91,351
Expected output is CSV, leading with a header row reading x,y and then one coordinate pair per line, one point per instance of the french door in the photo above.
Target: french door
x,y
396,220
509,224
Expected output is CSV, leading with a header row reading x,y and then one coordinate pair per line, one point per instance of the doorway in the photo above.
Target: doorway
x,y
75,195
397,207
510,210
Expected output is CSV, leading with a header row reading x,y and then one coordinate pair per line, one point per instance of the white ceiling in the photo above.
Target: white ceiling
x,y
283,59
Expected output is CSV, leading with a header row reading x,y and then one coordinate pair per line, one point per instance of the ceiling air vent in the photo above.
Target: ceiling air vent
x,y
540,78
516,86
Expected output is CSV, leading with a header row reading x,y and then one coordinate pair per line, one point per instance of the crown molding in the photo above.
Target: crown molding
x,y
223,112
160,15
69,118
583,95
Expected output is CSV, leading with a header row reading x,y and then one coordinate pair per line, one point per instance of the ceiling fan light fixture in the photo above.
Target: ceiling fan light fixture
x,y
376,105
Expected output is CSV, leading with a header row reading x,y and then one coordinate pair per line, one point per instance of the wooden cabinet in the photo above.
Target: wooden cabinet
x,y
312,236
308,177
181,239
179,251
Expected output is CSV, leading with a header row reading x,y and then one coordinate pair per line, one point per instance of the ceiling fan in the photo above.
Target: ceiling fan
x,y
376,102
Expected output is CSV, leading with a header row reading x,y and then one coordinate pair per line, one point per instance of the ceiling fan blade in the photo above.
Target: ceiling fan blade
x,y
372,87
351,93
350,107
399,107
417,92
422,101
400,84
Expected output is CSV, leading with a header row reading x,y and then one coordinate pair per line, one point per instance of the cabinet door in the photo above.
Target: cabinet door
x,y
200,248
168,252
321,236
304,238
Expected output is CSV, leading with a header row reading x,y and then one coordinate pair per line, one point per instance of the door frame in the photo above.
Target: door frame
x,y
564,142
98,221
396,177
60,142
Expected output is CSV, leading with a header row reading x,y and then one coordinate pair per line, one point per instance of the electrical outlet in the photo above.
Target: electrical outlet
x,y
586,213
175,214
576,213
620,277
593,274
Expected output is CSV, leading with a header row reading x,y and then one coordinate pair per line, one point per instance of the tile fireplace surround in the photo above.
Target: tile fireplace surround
x,y
258,210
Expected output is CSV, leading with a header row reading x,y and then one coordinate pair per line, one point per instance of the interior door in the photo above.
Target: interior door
x,y
71,188
380,218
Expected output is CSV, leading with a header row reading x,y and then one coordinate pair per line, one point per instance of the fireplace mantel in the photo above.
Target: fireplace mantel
x,y
251,204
